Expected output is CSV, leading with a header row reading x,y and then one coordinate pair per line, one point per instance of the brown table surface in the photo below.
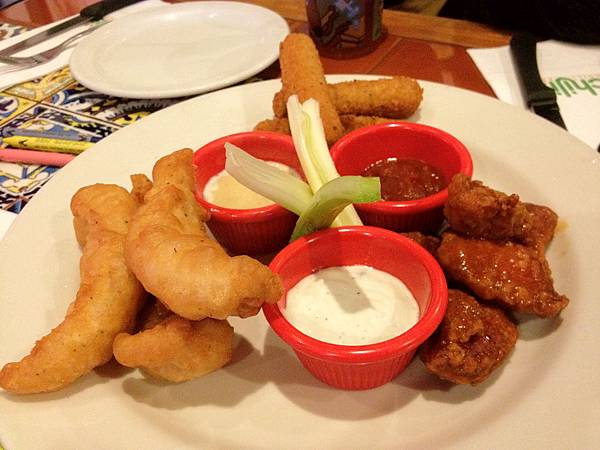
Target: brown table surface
x,y
419,46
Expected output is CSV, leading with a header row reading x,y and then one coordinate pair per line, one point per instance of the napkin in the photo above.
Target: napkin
x,y
573,71
20,76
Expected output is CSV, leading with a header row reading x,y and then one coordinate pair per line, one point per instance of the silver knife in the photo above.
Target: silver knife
x,y
540,98
90,13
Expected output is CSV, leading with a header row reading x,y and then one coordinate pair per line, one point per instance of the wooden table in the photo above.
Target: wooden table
x,y
422,47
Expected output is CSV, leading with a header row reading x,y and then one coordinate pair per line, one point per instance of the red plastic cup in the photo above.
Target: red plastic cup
x,y
253,231
361,366
358,150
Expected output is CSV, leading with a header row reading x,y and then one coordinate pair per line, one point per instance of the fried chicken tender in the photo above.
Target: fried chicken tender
x,y
302,75
350,123
395,98
106,304
476,210
102,206
472,341
513,275
176,349
171,254
141,184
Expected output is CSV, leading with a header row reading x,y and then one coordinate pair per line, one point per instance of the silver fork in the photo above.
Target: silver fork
x,y
13,63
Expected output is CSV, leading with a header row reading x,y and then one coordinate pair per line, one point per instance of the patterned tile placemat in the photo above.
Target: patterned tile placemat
x,y
58,114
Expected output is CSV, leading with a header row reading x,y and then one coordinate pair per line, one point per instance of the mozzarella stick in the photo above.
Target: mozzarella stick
x,y
350,123
395,98
302,74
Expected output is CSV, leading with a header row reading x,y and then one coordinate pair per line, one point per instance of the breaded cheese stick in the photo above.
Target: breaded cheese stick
x,y
349,121
395,98
302,74
106,304
172,255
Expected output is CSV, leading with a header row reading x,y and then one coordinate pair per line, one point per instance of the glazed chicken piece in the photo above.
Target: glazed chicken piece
x,y
471,342
513,275
476,210
429,243
539,230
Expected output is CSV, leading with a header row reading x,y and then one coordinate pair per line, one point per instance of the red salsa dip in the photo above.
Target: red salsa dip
x,y
405,179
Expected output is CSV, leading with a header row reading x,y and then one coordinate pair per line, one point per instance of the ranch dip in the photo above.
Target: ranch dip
x,y
224,190
351,305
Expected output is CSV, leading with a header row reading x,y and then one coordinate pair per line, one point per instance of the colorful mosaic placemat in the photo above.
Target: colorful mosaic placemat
x,y
56,113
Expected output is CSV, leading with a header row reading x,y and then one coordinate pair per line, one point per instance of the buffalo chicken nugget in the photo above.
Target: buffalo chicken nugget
x,y
106,304
471,342
172,255
302,75
177,349
475,210
513,275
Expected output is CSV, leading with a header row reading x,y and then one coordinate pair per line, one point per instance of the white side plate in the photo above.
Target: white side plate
x,y
179,50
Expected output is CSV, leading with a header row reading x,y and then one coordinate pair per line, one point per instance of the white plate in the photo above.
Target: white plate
x,y
179,50
546,396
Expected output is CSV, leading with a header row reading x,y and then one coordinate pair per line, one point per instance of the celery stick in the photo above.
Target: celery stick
x,y
284,189
309,139
332,197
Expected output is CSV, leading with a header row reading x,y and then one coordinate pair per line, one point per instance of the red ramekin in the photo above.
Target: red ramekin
x,y
361,366
358,150
247,231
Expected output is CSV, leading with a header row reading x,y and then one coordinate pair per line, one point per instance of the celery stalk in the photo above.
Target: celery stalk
x,y
284,189
309,139
331,198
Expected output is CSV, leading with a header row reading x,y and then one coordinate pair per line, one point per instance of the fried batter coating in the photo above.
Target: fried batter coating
x,y
349,121
471,342
141,184
171,254
302,75
106,304
104,206
177,349
513,275
394,98
276,125
475,210
429,243
539,230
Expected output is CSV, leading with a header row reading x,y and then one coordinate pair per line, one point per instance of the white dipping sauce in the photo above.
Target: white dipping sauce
x,y
351,305
224,190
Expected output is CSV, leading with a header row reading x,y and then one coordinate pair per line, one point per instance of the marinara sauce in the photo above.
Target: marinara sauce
x,y
405,179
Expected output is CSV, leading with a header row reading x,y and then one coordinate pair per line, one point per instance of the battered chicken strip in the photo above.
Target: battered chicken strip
x,y
350,123
395,98
176,349
141,184
104,206
513,275
106,304
471,342
476,210
171,254
302,75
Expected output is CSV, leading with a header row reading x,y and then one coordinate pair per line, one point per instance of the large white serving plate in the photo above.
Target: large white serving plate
x,y
545,396
178,50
